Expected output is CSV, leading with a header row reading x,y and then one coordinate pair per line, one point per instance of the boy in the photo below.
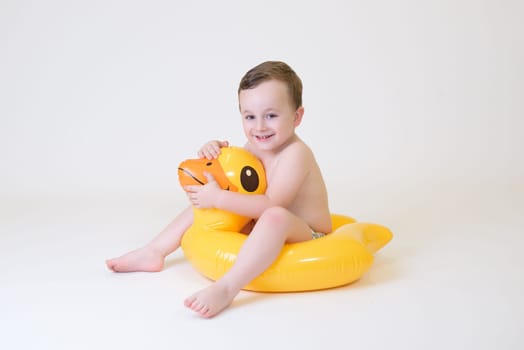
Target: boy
x,y
293,209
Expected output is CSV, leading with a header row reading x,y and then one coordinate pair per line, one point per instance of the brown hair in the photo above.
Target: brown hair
x,y
274,70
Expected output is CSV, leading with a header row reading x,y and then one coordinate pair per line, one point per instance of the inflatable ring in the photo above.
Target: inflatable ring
x,y
212,242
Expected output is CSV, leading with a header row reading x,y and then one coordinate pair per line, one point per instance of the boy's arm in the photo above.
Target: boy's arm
x,y
249,205
283,185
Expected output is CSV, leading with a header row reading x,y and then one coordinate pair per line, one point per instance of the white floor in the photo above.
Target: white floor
x,y
452,278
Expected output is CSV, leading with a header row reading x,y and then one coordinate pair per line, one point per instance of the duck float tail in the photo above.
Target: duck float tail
x,y
212,242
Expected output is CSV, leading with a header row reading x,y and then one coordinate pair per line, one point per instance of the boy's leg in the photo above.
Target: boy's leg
x,y
150,257
275,227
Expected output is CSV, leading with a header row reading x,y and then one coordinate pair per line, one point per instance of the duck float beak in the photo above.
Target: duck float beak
x,y
192,172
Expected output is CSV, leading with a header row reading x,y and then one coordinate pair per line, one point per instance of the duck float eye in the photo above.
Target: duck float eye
x,y
249,178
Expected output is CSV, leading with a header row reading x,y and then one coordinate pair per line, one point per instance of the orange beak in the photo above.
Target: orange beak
x,y
191,172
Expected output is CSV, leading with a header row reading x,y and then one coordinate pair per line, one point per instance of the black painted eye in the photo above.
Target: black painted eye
x,y
209,163
249,179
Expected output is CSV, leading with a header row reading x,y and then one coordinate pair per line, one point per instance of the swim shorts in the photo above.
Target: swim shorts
x,y
317,235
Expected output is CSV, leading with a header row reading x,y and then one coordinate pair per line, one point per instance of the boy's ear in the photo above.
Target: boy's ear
x,y
298,115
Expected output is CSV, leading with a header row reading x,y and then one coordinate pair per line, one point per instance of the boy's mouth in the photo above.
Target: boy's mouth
x,y
263,137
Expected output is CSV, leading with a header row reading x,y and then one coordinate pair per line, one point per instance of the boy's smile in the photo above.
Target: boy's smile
x,y
268,115
263,138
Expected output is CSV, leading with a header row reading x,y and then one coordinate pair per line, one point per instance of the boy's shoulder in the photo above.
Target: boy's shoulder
x,y
297,147
296,154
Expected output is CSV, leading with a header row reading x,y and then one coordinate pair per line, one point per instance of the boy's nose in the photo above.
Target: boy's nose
x,y
261,124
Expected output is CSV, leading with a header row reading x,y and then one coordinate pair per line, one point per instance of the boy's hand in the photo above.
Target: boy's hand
x,y
211,150
204,196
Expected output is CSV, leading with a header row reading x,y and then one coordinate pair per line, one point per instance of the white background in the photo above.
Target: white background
x,y
414,110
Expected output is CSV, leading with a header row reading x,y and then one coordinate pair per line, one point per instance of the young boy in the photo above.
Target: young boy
x,y
293,209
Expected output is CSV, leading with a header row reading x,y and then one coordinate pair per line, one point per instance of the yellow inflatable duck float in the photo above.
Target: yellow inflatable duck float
x,y
212,242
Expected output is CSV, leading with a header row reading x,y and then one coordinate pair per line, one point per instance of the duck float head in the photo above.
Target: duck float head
x,y
235,170
213,241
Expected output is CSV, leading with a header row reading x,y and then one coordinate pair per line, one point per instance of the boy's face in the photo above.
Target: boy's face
x,y
268,115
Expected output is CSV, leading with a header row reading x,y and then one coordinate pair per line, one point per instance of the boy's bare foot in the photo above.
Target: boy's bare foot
x,y
210,301
143,259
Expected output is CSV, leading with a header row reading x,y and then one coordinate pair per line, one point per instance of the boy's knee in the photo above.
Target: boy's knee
x,y
276,215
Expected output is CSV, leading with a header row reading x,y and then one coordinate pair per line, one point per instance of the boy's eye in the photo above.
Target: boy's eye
x,y
271,115
248,117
